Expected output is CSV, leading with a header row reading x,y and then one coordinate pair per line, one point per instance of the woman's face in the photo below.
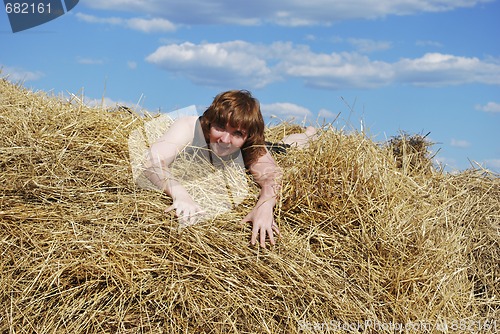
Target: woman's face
x,y
226,140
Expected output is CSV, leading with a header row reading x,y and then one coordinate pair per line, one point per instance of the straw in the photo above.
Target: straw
x,y
366,241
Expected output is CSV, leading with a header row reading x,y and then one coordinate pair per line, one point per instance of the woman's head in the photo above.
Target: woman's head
x,y
234,121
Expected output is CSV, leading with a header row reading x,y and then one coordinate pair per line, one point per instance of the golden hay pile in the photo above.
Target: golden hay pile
x,y
364,242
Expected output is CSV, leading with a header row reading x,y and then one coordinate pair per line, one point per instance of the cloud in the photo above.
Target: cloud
x,y
325,113
492,164
235,63
140,24
437,69
335,70
106,102
249,65
132,65
445,160
492,107
150,25
284,12
94,19
460,143
17,74
89,61
285,110
368,45
429,43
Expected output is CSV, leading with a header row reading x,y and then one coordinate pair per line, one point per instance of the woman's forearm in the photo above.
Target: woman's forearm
x,y
268,193
268,176
163,179
270,185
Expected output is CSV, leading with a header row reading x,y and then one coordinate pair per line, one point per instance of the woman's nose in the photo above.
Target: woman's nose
x,y
226,138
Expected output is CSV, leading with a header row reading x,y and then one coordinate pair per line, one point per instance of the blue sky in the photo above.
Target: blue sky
x,y
417,66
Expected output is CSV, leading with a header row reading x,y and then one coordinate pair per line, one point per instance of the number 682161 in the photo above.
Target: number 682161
x,y
27,8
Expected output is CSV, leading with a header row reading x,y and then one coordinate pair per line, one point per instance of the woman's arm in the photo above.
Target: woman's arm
x,y
161,154
268,176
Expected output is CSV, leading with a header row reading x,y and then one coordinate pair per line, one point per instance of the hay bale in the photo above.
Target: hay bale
x,y
364,242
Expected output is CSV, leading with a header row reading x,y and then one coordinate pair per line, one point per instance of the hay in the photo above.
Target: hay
x,y
411,152
365,243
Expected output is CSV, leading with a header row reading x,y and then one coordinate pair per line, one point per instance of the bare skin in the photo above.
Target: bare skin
x,y
301,140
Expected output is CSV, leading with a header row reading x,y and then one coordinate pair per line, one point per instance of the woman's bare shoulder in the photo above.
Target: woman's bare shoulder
x,y
180,132
186,122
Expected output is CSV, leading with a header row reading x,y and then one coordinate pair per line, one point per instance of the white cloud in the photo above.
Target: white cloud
x,y
89,61
150,25
492,164
139,24
437,69
248,65
94,19
227,64
285,110
460,143
445,160
132,65
429,43
336,70
492,107
368,45
106,102
325,113
17,74
282,12
448,164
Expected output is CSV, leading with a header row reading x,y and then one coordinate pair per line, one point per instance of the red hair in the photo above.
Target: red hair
x,y
239,109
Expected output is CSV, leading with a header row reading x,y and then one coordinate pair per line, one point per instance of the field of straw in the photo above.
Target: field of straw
x,y
374,238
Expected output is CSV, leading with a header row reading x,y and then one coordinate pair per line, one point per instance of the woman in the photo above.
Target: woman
x,y
233,124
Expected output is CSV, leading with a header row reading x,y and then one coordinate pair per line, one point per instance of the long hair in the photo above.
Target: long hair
x,y
238,108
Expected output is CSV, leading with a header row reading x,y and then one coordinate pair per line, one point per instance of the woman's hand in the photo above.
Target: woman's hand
x,y
187,211
267,175
262,218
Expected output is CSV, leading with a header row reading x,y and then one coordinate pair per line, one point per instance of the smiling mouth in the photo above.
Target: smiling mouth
x,y
221,148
